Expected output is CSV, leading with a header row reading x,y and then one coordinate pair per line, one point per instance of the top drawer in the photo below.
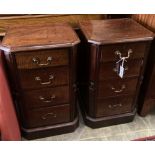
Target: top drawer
x,y
108,52
42,58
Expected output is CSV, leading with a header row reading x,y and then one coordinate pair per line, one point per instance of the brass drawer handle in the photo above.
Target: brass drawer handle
x,y
51,114
119,91
37,61
51,77
47,101
116,69
120,69
120,54
115,105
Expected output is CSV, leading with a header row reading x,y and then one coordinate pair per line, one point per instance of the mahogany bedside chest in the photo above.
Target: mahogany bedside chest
x,y
112,64
42,65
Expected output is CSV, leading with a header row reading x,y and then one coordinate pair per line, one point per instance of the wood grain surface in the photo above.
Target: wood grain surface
x,y
114,31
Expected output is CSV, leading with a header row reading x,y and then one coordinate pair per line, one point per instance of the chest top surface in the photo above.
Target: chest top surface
x,y
114,31
40,37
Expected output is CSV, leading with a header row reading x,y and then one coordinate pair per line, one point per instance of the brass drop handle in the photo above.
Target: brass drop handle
x,y
120,68
51,77
37,61
47,101
120,54
115,69
119,91
115,105
51,114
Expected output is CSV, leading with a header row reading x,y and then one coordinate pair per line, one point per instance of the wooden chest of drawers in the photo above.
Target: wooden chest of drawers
x,y
117,52
42,65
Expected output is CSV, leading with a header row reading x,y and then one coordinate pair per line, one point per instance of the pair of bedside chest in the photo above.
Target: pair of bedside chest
x,y
48,68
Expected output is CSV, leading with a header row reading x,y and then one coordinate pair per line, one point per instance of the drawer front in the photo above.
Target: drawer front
x,y
42,58
47,116
45,97
115,87
109,69
45,77
114,106
108,52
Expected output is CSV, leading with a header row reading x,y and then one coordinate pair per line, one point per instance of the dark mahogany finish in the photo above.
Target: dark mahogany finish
x,y
105,98
147,94
114,105
42,65
46,116
44,77
45,97
116,87
59,58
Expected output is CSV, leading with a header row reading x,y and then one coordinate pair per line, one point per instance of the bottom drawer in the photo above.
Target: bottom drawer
x,y
46,116
114,106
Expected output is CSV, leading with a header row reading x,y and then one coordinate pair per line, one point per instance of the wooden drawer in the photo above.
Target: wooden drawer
x,y
45,97
42,58
115,87
108,52
108,69
46,116
45,77
114,106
